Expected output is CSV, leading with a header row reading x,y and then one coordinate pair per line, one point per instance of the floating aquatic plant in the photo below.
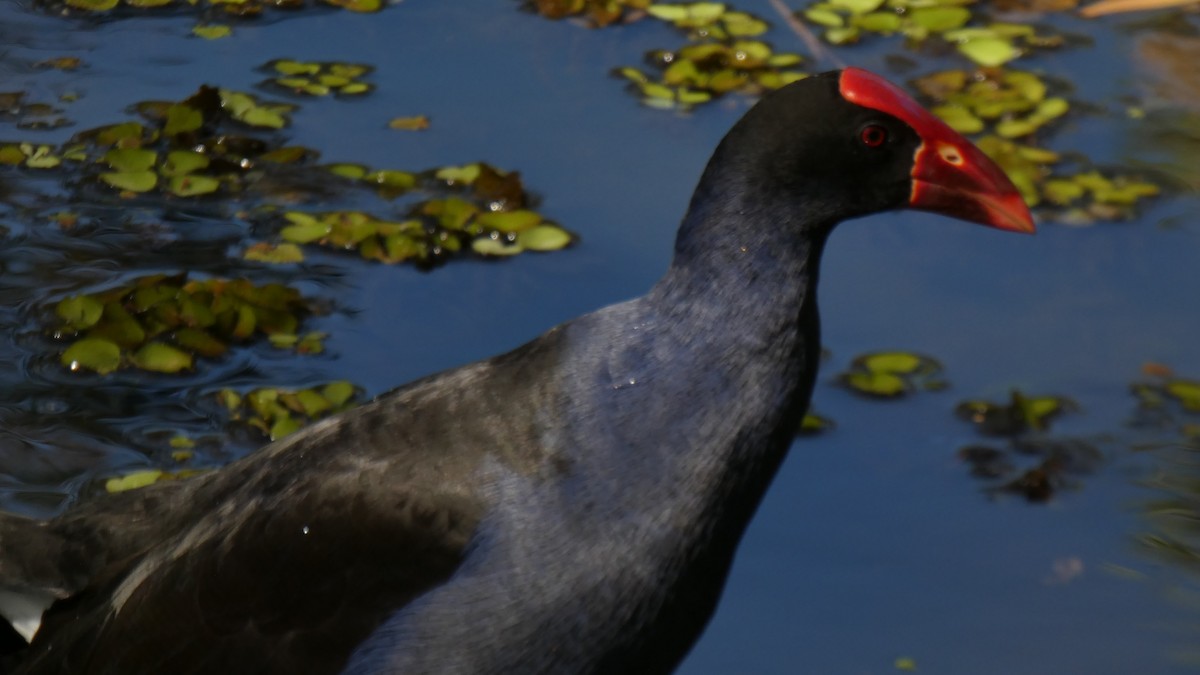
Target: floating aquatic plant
x,y
163,323
278,412
700,72
1009,103
483,209
709,20
204,8
597,13
1078,198
720,58
1168,401
318,78
892,374
1022,413
994,44
14,108
847,21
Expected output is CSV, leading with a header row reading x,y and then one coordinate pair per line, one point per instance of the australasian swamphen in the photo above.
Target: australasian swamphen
x,y
571,506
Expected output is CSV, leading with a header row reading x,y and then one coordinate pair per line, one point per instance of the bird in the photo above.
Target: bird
x,y
570,506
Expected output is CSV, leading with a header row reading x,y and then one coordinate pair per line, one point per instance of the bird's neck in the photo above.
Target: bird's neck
x,y
745,269
739,301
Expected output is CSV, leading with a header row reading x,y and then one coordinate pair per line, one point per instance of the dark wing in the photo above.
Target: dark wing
x,y
288,559
290,590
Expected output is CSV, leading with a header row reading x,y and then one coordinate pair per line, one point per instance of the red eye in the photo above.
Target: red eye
x,y
873,135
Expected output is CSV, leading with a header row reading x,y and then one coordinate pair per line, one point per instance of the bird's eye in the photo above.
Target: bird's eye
x,y
873,135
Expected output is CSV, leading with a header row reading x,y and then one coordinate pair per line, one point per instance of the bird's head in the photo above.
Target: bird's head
x,y
849,143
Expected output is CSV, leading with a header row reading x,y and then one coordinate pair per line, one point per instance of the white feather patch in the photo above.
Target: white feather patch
x,y
24,609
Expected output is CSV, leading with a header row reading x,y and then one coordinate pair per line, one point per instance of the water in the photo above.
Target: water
x,y
874,543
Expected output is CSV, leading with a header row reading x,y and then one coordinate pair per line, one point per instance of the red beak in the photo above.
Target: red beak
x,y
950,175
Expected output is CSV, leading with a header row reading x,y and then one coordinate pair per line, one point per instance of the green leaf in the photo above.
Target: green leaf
x,y
858,6
459,174
357,5
841,36
181,162
939,19
338,392
230,399
665,12
200,342
99,355
1029,85
192,186
92,5
264,117
415,123
161,358
1062,192
115,134
306,231
133,481
892,362
181,442
11,155
212,32
1015,128
132,181
543,238
879,22
312,403
284,426
494,247
80,312
1053,107
40,157
286,67
182,119
959,118
509,221
876,383
130,159
1186,392
989,51
278,254
350,171
400,180
825,17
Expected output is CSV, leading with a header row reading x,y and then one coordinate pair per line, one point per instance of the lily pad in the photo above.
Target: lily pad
x,y
892,374
544,238
161,358
989,51
279,412
318,78
276,254
212,32
702,71
133,480
416,123
131,181
95,354
1021,414
598,13
164,322
1012,103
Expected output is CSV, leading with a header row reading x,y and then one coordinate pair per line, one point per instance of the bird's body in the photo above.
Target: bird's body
x,y
572,506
